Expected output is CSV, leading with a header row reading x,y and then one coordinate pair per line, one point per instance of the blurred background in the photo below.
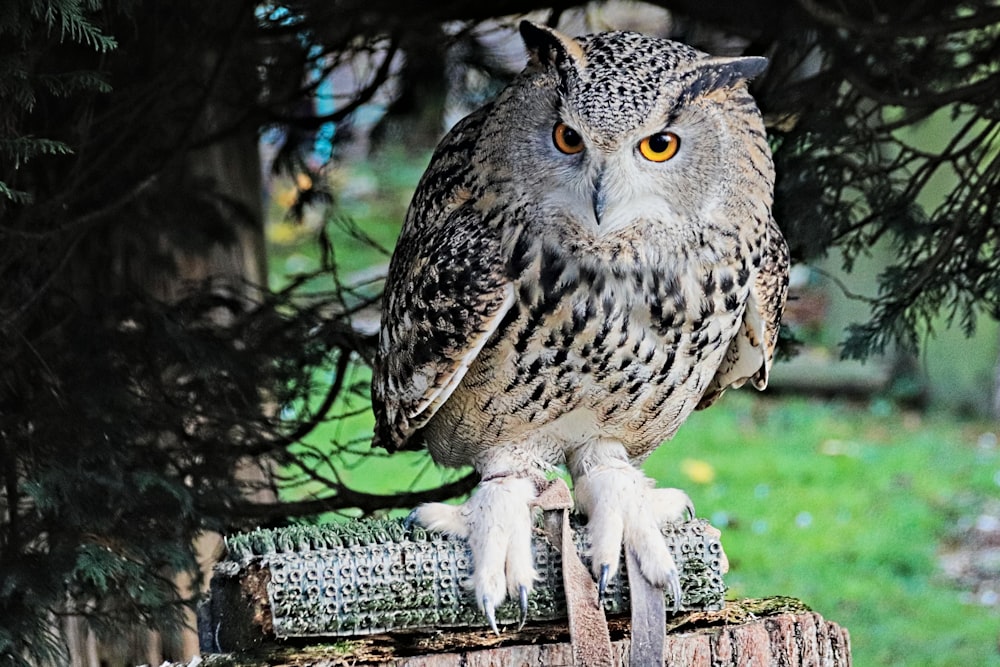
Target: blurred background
x,y
197,208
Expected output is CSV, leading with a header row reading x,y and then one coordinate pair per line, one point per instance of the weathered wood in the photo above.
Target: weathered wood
x,y
788,640
776,632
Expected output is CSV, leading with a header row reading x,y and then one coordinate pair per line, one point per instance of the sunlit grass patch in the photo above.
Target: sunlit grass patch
x,y
845,507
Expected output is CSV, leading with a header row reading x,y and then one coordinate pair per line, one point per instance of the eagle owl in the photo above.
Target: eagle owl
x,y
587,259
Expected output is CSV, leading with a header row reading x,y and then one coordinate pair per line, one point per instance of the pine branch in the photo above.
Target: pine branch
x,y
16,196
68,16
22,149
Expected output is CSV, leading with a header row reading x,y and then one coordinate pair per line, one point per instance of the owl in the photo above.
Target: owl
x,y
588,258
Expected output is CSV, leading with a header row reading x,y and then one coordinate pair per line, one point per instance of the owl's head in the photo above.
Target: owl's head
x,y
621,126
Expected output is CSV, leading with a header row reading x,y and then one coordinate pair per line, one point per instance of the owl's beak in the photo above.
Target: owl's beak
x,y
599,198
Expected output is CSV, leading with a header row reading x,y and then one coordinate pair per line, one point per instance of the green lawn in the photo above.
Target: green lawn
x,y
845,508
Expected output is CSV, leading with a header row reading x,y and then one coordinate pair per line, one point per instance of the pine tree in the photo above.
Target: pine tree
x,y
115,381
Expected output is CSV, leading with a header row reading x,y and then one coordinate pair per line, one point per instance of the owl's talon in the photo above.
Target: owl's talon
x,y
496,521
523,594
622,506
602,583
674,585
410,520
491,617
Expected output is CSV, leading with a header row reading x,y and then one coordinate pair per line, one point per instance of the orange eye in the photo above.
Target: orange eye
x,y
567,139
660,147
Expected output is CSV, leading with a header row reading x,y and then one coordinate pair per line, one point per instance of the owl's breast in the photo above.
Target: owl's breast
x,y
596,347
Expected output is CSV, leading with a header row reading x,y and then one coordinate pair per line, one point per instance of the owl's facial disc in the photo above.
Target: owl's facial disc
x,y
609,181
625,183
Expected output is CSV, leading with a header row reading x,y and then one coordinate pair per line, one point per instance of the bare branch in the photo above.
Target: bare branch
x,y
345,498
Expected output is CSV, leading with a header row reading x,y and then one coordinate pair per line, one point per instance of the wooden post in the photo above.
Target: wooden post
x,y
771,632
325,596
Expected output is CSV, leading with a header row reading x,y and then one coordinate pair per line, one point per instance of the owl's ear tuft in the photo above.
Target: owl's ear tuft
x,y
715,73
547,46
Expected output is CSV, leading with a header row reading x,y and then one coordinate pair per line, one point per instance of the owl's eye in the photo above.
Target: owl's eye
x,y
660,147
567,139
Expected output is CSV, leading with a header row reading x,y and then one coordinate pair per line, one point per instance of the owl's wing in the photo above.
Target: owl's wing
x,y
751,352
446,293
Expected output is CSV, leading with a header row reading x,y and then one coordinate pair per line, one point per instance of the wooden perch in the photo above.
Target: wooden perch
x,y
770,632
379,593
368,577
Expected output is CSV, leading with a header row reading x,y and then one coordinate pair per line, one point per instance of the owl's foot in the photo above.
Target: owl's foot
x,y
497,523
623,507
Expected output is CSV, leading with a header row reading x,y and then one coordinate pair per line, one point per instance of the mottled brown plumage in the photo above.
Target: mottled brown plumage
x,y
547,307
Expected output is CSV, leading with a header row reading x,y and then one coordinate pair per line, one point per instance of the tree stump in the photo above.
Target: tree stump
x,y
380,593
762,632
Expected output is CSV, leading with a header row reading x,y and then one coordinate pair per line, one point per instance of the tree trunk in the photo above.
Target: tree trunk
x,y
235,166
166,265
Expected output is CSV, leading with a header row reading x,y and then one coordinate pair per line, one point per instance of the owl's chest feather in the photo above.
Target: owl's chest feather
x,y
628,342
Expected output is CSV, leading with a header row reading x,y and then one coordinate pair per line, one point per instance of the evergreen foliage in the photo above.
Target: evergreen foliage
x,y
27,28
854,99
128,401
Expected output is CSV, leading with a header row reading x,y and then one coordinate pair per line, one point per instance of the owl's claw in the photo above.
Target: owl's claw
x,y
689,510
674,586
489,609
623,507
490,612
410,520
523,595
497,523
602,582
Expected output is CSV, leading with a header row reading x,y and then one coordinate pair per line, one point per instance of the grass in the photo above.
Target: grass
x,y
845,508
371,197
841,505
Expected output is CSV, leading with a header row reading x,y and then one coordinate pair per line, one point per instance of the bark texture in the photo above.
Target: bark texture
x,y
773,632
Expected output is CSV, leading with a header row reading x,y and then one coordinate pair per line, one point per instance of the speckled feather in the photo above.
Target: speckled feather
x,y
508,321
